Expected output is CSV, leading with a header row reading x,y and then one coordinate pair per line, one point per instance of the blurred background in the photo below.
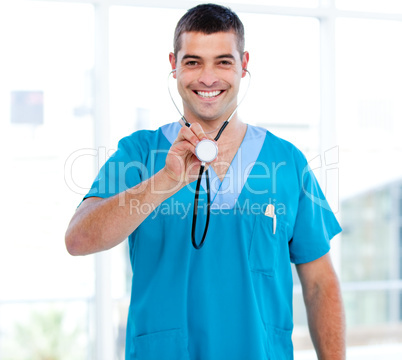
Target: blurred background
x,y
77,75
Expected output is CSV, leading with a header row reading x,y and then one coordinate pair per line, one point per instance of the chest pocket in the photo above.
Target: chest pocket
x,y
264,247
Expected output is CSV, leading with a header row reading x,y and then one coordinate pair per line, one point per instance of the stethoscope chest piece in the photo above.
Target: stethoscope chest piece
x,y
206,151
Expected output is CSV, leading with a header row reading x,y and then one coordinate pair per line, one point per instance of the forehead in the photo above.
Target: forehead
x,y
208,45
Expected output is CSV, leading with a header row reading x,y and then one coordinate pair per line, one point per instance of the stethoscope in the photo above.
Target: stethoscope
x,y
206,151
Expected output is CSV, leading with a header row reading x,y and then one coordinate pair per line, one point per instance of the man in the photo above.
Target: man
x,y
232,299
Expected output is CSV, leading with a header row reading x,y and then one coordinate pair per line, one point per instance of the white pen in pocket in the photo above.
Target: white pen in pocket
x,y
270,211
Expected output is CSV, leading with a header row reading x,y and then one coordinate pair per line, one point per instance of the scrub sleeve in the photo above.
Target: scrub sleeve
x,y
123,170
315,223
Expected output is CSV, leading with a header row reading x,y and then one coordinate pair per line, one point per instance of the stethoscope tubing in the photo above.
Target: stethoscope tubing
x,y
195,211
197,194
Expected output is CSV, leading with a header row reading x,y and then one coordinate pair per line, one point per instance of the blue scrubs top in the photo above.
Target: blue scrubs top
x,y
233,298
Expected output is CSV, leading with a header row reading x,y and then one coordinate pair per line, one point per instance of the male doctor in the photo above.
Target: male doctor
x,y
232,299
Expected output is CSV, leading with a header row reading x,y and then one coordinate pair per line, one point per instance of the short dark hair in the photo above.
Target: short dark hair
x,y
209,19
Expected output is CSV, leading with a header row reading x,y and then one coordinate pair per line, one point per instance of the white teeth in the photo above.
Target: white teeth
x,y
209,94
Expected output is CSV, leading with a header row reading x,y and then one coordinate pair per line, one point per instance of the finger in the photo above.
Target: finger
x,y
182,147
186,134
198,131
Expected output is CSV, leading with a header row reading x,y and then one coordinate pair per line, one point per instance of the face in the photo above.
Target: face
x,y
208,72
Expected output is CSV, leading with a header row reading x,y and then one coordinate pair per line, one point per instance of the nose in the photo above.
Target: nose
x,y
208,76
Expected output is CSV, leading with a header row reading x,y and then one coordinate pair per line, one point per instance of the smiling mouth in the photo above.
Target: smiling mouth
x,y
209,94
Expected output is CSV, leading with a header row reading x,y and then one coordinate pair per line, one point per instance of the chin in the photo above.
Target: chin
x,y
211,117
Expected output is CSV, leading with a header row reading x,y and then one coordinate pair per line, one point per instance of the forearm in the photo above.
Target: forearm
x,y
326,319
101,225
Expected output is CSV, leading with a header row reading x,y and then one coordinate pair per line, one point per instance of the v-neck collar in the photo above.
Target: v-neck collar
x,y
224,194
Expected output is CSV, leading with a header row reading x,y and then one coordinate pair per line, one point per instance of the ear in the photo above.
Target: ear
x,y
244,62
172,60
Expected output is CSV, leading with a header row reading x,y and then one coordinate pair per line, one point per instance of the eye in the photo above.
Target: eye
x,y
191,63
225,63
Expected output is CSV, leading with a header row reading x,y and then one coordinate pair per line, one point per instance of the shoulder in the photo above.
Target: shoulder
x,y
278,147
144,140
137,137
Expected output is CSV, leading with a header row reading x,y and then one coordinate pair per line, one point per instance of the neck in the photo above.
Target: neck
x,y
213,126
234,129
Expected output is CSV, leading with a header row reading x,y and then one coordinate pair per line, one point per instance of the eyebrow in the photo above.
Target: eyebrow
x,y
224,56
188,56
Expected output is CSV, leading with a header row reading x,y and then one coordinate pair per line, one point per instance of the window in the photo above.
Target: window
x,y
287,3
368,92
45,111
285,79
385,6
139,68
